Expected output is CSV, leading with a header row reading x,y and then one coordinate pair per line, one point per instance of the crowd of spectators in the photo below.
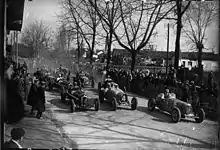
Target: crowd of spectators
x,y
187,90
21,87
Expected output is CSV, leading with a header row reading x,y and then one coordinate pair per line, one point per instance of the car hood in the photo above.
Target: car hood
x,y
176,100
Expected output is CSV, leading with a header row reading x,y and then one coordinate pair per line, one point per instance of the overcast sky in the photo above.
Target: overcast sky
x,y
46,10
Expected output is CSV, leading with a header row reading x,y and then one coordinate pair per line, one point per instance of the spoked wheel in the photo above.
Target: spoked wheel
x,y
176,115
97,104
101,96
151,104
201,115
134,103
114,104
72,106
63,96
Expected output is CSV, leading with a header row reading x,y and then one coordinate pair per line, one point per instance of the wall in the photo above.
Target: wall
x,y
207,64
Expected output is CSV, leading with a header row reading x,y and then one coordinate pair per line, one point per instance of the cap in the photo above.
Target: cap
x,y
17,133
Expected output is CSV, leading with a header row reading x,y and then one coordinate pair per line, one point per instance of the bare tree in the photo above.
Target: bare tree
x,y
180,9
198,17
84,21
109,13
139,20
64,37
36,36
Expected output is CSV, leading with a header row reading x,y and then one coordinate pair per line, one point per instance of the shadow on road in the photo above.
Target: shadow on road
x,y
139,138
65,107
57,102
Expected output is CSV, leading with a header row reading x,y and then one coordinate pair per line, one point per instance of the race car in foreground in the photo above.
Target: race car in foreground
x,y
113,94
177,108
78,98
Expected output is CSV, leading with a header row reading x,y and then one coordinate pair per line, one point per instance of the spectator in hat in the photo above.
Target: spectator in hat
x,y
40,105
17,135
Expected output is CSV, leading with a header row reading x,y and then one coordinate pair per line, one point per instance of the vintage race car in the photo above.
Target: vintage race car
x,y
78,98
113,94
104,84
50,80
177,108
86,80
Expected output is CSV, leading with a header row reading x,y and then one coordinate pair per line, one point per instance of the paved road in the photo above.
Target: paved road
x,y
126,129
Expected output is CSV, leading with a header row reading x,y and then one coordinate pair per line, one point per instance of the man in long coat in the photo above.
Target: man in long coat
x,y
40,105
36,98
32,96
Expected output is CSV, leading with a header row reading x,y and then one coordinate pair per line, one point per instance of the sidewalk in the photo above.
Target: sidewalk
x,y
40,133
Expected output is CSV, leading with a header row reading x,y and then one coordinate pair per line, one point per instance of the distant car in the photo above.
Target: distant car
x,y
86,80
177,108
78,98
110,92
50,80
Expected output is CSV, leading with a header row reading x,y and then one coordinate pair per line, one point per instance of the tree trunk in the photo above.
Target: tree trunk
x,y
133,61
91,56
109,43
200,66
78,46
178,34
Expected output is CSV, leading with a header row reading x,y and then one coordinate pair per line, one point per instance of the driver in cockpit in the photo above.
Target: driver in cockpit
x,y
59,78
166,94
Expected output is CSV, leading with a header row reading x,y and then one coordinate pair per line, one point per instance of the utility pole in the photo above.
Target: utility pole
x,y
168,38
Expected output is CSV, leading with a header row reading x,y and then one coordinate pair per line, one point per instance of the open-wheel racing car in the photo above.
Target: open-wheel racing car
x,y
78,98
85,79
113,94
177,108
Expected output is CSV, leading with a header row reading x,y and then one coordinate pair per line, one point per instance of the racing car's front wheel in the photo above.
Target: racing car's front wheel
x,y
134,103
176,115
114,104
151,104
72,106
200,115
101,96
63,96
97,104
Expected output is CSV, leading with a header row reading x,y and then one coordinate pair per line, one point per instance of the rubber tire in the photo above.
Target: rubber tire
x,y
97,104
72,106
151,102
101,96
63,97
176,110
201,115
134,103
114,104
